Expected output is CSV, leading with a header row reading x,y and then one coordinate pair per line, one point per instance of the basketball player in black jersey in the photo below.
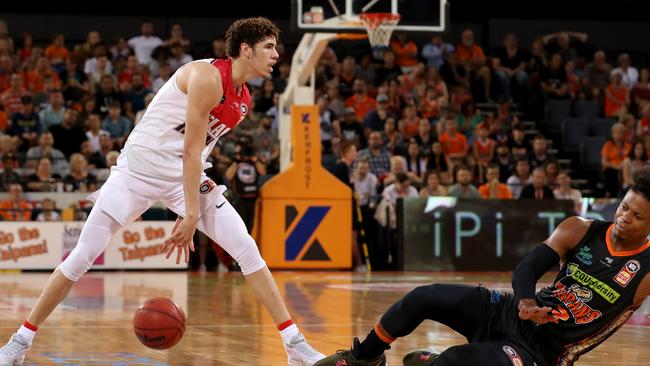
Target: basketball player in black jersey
x,y
603,278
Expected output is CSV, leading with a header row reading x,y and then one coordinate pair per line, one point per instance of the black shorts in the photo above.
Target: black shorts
x,y
500,327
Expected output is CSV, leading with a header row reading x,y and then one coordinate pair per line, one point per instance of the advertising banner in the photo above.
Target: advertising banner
x,y
446,233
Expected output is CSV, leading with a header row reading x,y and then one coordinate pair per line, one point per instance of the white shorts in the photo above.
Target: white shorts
x,y
126,195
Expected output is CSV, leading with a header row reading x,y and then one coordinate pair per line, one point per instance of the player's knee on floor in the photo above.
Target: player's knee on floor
x,y
92,242
249,257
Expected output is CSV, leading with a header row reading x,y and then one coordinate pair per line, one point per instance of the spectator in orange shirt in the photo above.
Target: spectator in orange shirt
x,y
493,188
360,101
454,143
472,57
10,99
36,77
617,96
406,52
409,125
57,53
612,156
15,208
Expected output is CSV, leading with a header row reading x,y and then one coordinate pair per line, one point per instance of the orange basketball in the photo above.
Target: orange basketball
x,y
159,323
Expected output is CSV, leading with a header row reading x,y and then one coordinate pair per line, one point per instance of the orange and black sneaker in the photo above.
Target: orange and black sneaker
x,y
420,358
350,358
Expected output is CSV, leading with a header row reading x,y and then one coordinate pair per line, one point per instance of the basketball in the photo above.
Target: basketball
x,y
159,323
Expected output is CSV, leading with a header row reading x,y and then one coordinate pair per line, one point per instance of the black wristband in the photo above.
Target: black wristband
x,y
530,269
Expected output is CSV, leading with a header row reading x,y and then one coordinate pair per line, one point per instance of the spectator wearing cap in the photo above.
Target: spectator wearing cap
x,y
350,128
376,118
68,136
46,149
360,101
106,95
15,208
8,176
25,124
117,125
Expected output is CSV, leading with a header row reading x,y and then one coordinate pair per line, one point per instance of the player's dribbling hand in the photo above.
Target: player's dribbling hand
x,y
528,310
181,239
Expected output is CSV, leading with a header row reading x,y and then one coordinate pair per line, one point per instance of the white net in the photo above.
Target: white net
x,y
380,26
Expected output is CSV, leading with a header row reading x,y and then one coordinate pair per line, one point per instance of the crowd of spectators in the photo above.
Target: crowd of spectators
x,y
427,119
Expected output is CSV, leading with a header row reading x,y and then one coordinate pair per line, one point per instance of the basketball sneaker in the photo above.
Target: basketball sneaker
x,y
420,358
13,353
300,353
350,358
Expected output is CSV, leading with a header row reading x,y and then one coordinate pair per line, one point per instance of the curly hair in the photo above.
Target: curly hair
x,y
249,31
642,182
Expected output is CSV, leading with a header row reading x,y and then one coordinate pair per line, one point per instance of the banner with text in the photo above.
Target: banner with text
x,y
37,245
446,233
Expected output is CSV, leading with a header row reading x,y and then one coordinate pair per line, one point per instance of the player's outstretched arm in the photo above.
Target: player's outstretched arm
x,y
546,255
202,84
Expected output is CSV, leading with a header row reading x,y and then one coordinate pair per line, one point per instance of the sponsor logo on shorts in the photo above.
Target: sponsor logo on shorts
x,y
627,273
575,298
512,354
207,186
584,255
593,283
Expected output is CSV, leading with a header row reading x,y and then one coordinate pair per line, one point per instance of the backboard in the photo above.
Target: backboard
x,y
343,15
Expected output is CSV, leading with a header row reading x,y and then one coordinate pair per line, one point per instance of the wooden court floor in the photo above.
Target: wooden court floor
x,y
227,327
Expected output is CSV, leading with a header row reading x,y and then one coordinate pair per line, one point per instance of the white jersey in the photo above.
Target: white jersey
x,y
155,146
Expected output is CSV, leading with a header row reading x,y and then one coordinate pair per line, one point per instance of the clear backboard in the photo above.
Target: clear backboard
x,y
343,15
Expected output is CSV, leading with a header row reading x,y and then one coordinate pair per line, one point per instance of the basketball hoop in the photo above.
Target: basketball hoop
x,y
380,26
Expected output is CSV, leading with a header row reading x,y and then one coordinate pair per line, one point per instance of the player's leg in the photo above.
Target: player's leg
x,y
477,354
106,217
457,306
222,224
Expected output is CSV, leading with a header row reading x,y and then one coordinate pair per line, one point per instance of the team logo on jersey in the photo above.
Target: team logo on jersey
x,y
574,298
207,186
243,109
627,273
584,255
512,354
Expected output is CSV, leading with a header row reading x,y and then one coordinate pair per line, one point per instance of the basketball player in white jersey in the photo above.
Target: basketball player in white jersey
x,y
163,159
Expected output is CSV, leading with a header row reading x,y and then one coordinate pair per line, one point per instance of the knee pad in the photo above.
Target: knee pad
x,y
249,258
92,242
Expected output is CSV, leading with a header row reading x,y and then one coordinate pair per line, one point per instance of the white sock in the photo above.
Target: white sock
x,y
28,334
288,333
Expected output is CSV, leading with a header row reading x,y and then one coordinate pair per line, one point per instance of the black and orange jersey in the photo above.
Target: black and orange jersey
x,y
592,295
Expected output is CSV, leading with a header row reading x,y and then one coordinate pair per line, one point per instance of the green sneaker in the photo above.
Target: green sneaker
x,y
349,358
420,358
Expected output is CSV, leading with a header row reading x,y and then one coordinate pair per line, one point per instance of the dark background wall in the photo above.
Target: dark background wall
x,y
613,25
